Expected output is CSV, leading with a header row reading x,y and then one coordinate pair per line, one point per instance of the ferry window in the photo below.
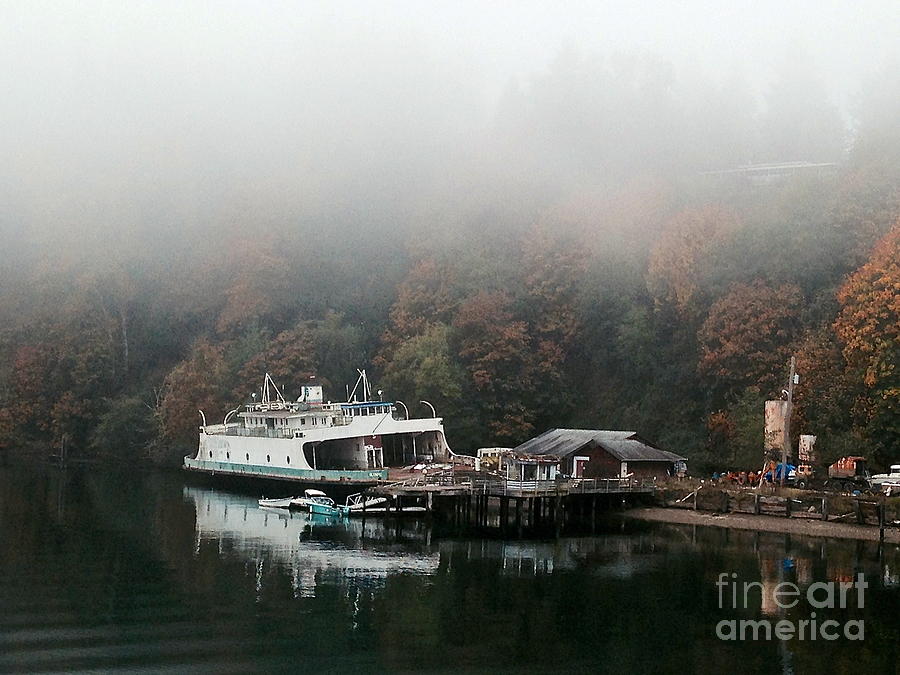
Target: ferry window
x,y
288,459
314,421
302,421
227,455
210,453
268,459
247,456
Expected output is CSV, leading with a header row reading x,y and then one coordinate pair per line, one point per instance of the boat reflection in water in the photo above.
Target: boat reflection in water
x,y
311,548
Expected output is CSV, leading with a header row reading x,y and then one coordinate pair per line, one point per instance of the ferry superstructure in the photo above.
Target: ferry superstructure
x,y
313,441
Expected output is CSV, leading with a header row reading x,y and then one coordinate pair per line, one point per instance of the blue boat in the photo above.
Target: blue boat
x,y
326,506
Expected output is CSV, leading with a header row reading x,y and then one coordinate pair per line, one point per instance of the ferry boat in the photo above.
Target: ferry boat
x,y
311,440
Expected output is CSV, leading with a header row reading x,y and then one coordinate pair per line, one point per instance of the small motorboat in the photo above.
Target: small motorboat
x,y
307,498
283,503
326,506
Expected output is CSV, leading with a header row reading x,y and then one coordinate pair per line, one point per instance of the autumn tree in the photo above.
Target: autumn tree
x,y
31,397
825,397
687,247
197,383
735,435
868,327
425,296
495,349
289,358
746,338
553,267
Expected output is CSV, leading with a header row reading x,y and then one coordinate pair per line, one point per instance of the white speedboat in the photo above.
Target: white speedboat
x,y
307,499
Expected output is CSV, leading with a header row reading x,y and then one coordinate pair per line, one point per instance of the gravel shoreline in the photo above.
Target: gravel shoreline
x,y
742,521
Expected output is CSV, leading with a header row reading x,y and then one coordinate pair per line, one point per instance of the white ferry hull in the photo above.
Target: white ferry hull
x,y
301,459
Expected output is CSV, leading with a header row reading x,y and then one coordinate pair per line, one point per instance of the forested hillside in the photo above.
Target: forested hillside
x,y
580,260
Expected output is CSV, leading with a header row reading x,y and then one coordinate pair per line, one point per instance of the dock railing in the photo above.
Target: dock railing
x,y
497,485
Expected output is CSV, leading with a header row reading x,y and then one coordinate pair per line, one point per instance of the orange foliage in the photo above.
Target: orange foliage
x,y
426,296
289,359
747,336
31,402
869,322
683,251
193,384
720,429
553,273
495,350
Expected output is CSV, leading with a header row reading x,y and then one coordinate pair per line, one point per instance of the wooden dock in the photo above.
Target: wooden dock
x,y
470,500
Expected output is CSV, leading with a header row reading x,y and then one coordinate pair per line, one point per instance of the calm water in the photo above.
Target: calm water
x,y
104,571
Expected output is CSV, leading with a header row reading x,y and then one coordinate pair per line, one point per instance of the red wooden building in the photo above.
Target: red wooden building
x,y
592,453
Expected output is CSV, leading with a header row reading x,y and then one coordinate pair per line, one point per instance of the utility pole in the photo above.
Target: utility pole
x,y
785,448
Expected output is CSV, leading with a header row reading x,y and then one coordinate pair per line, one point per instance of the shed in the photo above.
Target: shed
x,y
594,453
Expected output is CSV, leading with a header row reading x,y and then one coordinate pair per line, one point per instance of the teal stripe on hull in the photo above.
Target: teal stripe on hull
x,y
317,475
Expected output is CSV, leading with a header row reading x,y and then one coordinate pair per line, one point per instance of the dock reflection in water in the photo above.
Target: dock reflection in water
x,y
309,547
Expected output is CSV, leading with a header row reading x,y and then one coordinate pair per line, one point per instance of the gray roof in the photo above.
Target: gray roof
x,y
626,446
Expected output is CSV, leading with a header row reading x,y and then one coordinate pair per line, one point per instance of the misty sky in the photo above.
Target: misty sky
x,y
121,110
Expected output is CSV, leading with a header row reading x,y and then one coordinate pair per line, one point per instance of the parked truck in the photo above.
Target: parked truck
x,y
847,474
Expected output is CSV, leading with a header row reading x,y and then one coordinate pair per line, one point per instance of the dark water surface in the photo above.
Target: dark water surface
x,y
111,571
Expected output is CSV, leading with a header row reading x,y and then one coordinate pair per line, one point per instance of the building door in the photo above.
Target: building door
x,y
578,466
